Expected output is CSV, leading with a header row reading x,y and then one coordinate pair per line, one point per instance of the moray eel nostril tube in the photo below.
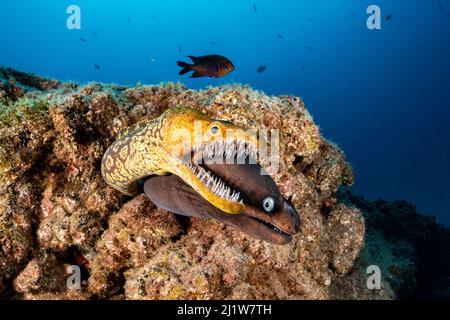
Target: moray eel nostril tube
x,y
276,223
175,165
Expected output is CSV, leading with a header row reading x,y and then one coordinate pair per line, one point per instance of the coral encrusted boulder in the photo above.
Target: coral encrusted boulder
x,y
56,211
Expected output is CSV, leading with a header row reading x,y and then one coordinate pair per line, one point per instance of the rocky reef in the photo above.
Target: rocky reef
x,y
56,211
413,251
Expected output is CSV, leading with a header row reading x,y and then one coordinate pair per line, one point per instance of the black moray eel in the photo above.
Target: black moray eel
x,y
267,215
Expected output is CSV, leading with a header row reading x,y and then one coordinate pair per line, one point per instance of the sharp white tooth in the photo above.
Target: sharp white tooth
x,y
217,183
230,146
241,152
232,152
217,149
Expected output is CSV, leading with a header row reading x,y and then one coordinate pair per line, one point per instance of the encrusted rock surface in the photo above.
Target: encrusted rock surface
x,y
56,211
412,251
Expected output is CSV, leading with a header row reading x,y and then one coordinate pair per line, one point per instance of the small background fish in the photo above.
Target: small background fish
x,y
213,65
261,68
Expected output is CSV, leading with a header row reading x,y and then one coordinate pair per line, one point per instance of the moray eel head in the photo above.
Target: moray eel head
x,y
189,137
266,215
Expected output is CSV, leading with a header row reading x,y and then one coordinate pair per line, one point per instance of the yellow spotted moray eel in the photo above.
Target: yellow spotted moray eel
x,y
159,147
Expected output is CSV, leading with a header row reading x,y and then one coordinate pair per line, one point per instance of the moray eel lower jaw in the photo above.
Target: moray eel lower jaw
x,y
276,224
276,229
213,189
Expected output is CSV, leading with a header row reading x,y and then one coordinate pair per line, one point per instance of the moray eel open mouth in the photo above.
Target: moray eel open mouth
x,y
219,152
173,154
267,215
203,180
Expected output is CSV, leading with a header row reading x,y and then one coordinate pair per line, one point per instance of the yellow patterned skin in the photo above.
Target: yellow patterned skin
x,y
158,148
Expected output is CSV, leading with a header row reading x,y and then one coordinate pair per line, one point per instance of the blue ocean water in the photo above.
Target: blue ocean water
x,y
382,95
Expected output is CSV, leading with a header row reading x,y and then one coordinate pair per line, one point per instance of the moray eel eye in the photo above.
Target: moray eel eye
x,y
214,129
268,204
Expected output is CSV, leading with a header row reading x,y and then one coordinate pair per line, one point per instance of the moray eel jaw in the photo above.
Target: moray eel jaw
x,y
277,229
161,146
219,140
276,225
210,186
